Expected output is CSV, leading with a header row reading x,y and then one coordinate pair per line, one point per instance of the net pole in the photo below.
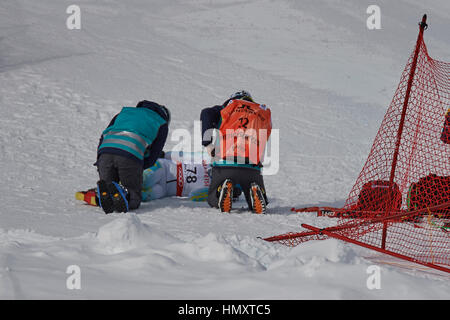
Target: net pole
x,y
423,25
366,245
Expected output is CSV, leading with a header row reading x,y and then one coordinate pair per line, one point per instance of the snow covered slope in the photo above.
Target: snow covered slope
x,y
327,78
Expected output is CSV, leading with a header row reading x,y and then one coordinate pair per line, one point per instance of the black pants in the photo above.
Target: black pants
x,y
127,171
239,175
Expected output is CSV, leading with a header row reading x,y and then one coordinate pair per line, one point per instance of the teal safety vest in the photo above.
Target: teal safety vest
x,y
133,131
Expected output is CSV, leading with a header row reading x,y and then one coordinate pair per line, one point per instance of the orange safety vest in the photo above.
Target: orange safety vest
x,y
244,132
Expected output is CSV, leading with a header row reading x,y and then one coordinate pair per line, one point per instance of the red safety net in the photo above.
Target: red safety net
x,y
400,203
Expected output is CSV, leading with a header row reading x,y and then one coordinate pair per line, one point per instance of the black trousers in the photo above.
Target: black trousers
x,y
239,175
128,172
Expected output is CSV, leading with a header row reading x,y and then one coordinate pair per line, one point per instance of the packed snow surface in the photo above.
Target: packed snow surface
x,y
327,78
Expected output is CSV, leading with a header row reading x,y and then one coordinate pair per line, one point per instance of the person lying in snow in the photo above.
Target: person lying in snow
x,y
170,176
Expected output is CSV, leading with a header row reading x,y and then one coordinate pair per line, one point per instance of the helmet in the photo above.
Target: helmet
x,y
243,95
162,110
166,113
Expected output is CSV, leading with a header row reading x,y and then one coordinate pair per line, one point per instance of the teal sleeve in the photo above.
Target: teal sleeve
x,y
199,194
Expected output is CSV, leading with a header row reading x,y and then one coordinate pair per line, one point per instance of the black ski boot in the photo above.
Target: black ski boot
x,y
112,197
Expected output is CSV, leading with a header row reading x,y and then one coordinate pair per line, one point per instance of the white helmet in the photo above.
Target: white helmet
x,y
243,95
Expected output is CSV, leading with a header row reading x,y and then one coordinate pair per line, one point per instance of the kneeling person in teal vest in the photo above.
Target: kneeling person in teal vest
x,y
130,144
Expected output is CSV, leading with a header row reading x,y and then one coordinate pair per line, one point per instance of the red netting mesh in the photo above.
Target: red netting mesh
x,y
401,199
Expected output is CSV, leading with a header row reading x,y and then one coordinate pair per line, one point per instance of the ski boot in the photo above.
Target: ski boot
x,y
112,197
257,199
89,197
226,195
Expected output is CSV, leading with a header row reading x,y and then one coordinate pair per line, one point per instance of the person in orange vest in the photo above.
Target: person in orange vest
x,y
235,135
